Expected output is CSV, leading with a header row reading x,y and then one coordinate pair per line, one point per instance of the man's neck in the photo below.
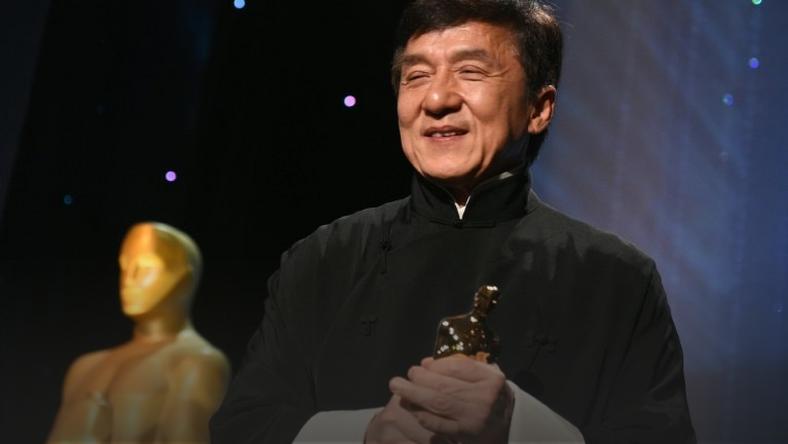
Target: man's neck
x,y
462,197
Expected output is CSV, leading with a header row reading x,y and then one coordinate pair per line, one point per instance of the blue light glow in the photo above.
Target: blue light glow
x,y
727,99
757,2
239,4
68,199
754,63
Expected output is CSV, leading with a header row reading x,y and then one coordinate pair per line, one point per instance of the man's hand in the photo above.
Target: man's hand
x,y
460,398
394,424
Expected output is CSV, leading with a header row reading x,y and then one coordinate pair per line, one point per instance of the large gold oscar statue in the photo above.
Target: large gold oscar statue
x,y
164,384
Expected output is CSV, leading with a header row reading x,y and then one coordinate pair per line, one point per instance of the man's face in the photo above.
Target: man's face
x,y
463,113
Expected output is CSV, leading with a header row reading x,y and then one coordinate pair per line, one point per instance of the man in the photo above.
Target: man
x,y
351,316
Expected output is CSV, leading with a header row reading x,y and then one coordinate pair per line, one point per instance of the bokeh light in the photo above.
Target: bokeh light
x,y
727,99
170,176
239,4
350,101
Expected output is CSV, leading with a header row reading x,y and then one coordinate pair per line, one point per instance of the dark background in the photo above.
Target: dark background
x,y
665,134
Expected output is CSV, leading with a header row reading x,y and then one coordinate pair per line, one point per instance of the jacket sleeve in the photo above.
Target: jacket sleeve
x,y
648,403
271,396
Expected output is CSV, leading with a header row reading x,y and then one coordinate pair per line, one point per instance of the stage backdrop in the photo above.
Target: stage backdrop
x,y
670,131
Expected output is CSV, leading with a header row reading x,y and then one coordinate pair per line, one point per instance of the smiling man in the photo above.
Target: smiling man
x,y
588,347
464,113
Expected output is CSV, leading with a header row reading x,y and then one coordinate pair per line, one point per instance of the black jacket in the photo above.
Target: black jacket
x,y
583,319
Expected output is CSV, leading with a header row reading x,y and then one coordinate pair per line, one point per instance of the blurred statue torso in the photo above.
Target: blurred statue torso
x,y
121,393
162,386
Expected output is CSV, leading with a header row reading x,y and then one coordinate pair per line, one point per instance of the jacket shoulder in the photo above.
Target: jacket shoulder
x,y
352,232
564,233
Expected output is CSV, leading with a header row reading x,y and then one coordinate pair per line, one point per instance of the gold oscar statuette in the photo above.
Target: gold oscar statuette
x,y
468,334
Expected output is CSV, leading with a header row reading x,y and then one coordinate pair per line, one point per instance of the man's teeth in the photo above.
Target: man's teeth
x,y
446,134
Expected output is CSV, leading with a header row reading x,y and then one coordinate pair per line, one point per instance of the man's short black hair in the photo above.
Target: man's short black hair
x,y
533,23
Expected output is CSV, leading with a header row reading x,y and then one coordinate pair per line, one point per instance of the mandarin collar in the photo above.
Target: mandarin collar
x,y
492,201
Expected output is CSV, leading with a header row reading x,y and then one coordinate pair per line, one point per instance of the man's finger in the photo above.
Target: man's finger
x,y
436,402
394,424
462,368
443,430
411,429
437,424
407,424
423,377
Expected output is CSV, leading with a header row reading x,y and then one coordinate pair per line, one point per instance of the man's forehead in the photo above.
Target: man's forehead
x,y
478,40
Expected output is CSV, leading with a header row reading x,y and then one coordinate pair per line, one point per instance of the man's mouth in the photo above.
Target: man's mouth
x,y
444,132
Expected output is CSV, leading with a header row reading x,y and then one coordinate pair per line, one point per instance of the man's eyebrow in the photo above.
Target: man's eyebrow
x,y
478,54
407,60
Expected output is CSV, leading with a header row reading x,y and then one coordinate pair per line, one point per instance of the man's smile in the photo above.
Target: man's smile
x,y
444,133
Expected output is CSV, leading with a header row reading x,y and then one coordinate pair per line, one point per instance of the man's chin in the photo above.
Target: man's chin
x,y
453,179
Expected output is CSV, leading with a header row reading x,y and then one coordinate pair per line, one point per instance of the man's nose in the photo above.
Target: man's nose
x,y
442,96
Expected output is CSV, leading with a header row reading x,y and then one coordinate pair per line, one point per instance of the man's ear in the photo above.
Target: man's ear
x,y
542,109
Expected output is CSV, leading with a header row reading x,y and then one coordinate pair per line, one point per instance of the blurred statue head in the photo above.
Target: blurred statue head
x,y
160,268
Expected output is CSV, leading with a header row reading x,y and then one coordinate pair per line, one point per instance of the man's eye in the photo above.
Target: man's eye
x,y
472,73
415,76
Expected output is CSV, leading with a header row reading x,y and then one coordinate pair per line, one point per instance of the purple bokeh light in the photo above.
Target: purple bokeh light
x,y
350,101
170,176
